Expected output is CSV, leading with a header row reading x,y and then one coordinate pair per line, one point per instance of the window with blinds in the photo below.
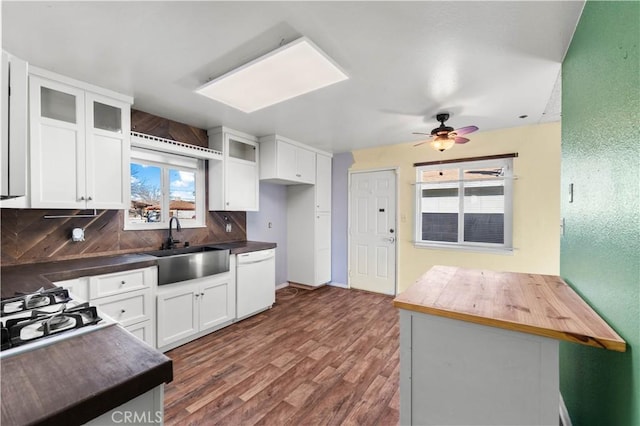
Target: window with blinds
x,y
465,204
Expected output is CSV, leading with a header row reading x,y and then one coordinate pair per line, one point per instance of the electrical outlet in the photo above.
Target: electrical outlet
x,y
227,227
269,225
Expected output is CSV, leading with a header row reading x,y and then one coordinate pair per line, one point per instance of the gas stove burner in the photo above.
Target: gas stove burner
x,y
56,322
37,319
39,299
36,301
26,329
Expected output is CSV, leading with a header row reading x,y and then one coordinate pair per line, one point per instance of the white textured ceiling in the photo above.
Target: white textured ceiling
x,y
486,63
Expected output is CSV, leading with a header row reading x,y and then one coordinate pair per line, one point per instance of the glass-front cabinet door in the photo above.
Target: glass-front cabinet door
x,y
241,174
57,127
240,149
108,150
80,147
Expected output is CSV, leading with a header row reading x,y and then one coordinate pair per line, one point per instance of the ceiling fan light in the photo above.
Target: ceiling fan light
x,y
442,143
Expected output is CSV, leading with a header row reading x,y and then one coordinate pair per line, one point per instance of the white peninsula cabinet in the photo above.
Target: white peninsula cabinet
x,y
286,161
79,144
481,347
191,309
234,182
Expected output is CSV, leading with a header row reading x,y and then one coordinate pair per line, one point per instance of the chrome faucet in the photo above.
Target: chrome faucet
x,y
170,241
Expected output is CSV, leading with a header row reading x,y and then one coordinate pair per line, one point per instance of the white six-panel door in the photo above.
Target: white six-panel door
x,y
372,231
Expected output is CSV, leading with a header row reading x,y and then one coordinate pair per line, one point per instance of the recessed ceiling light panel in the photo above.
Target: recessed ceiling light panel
x,y
292,70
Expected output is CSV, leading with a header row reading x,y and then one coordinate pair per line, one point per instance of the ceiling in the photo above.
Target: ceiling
x,y
486,63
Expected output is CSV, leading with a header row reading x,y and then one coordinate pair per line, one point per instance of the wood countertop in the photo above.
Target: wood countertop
x,y
31,277
543,305
80,378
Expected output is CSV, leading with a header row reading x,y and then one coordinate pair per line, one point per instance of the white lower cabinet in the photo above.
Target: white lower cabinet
x,y
125,296
128,308
190,309
143,331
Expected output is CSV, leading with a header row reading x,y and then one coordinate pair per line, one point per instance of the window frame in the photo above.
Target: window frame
x,y
507,246
166,161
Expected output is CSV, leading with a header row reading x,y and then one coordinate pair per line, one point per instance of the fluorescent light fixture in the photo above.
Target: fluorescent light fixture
x,y
292,70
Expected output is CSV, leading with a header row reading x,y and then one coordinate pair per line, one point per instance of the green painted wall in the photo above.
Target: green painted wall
x,y
600,250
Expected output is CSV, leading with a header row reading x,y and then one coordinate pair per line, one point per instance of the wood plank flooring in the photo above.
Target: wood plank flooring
x,y
323,357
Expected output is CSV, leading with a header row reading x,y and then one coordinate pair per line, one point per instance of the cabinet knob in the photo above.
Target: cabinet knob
x,y
201,294
81,198
122,311
123,282
227,203
197,294
89,198
298,175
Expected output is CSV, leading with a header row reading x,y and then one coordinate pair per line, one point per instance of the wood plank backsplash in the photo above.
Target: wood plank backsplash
x,y
27,237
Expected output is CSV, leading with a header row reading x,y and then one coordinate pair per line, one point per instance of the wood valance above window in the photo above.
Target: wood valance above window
x,y
462,160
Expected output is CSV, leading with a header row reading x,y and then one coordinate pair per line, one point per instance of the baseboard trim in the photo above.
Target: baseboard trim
x,y
564,413
283,285
332,284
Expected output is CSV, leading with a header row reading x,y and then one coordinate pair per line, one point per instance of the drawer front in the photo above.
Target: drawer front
x,y
127,309
116,283
143,331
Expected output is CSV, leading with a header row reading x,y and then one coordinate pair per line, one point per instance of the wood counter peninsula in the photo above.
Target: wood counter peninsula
x,y
481,347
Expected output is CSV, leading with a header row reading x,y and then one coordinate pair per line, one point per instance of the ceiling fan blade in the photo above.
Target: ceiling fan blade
x,y
466,130
458,139
420,143
418,133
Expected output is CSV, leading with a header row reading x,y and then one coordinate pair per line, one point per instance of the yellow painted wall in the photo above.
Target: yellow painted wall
x,y
536,210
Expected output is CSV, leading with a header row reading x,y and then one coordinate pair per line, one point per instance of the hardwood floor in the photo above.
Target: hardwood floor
x,y
323,357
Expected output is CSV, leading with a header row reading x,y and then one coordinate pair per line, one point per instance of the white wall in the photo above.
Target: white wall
x,y
273,209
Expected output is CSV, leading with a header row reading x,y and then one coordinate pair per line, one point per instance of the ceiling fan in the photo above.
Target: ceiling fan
x,y
444,137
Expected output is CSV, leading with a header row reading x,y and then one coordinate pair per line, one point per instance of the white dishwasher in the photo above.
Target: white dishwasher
x,y
255,282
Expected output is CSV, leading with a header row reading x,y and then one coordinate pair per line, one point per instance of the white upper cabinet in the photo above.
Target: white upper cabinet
x,y
323,183
79,144
286,162
13,123
234,182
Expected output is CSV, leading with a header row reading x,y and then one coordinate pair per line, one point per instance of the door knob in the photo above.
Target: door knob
x,y
390,239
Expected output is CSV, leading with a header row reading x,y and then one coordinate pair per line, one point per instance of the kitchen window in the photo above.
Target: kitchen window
x,y
165,185
465,205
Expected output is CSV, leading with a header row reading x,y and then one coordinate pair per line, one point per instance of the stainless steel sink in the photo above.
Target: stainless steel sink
x,y
184,264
